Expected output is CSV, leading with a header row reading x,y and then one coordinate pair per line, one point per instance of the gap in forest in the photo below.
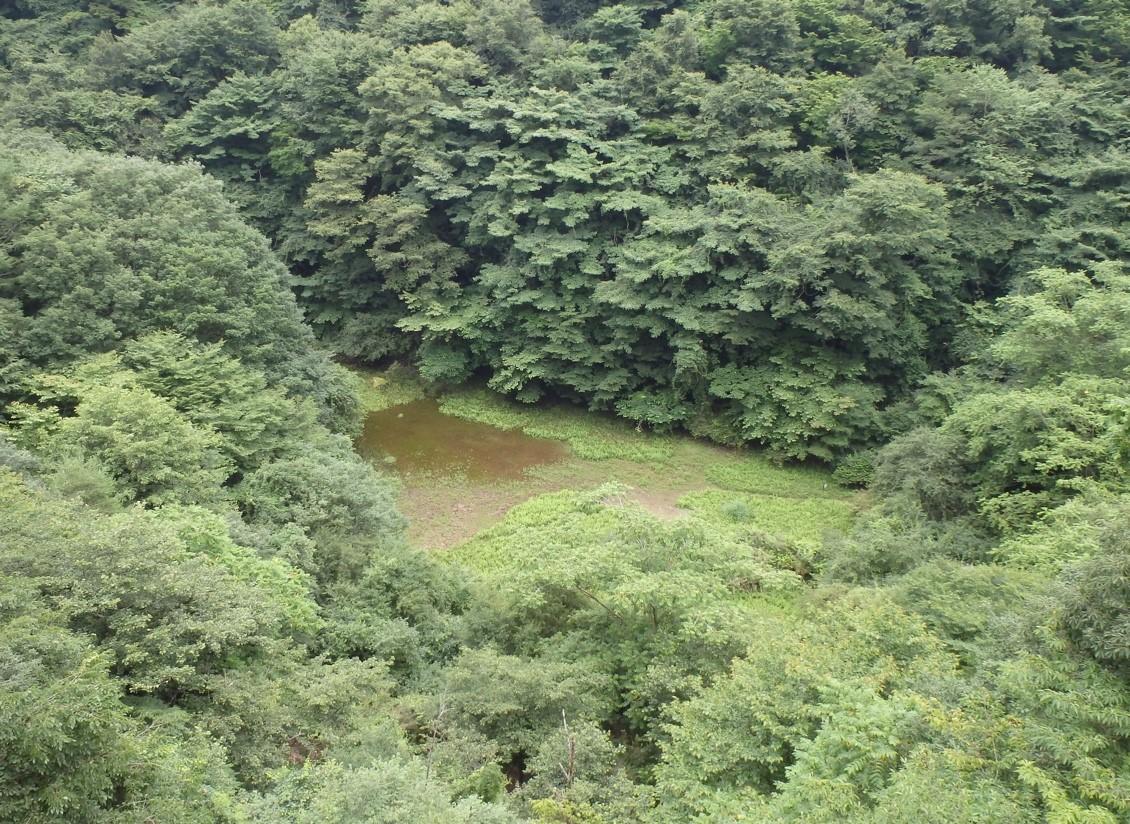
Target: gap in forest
x,y
468,457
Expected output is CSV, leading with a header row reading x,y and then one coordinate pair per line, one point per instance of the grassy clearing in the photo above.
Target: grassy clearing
x,y
739,493
542,528
804,521
588,435
752,473
602,537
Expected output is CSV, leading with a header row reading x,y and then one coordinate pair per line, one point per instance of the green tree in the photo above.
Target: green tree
x,y
390,791
1095,613
167,618
179,56
153,454
66,737
101,249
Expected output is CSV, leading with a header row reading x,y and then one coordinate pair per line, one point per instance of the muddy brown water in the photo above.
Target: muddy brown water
x,y
420,438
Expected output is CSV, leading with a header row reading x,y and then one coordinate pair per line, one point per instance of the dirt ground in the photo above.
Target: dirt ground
x,y
445,510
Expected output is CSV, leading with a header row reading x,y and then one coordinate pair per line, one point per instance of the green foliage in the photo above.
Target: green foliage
x,y
587,436
331,497
1042,440
1095,613
65,733
168,620
855,470
179,773
967,605
517,701
86,480
802,520
153,454
256,421
754,474
100,249
937,789
762,222
1079,529
226,419
772,710
1060,322
384,792
578,767
806,225
406,609
656,607
1045,424
1069,743
179,56
205,534
855,752
286,710
924,468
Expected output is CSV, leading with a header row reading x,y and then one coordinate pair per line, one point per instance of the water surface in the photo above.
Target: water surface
x,y
420,438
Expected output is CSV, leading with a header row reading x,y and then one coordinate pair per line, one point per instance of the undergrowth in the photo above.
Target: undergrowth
x,y
752,473
589,435
802,520
600,534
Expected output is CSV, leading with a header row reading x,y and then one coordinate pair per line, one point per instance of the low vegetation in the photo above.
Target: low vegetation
x,y
592,437
669,476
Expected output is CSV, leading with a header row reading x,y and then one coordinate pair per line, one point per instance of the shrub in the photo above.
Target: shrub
x,y
855,470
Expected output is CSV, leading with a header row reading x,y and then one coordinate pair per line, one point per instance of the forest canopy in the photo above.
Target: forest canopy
x,y
886,242
764,222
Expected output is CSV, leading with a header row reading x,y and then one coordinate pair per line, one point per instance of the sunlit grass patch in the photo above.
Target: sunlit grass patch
x,y
589,435
603,535
547,526
748,472
803,521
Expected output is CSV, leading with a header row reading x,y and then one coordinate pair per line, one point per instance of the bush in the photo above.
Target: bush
x,y
855,470
1096,608
736,510
925,466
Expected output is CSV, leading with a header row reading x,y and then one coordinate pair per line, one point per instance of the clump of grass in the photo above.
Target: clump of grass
x,y
757,475
377,390
588,434
736,510
804,521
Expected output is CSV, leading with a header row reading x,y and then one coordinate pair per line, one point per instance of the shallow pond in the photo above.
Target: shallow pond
x,y
420,438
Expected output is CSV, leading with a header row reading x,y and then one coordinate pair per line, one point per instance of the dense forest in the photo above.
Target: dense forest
x,y
881,244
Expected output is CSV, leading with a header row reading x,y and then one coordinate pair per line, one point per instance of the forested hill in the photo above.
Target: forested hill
x,y
882,247
760,220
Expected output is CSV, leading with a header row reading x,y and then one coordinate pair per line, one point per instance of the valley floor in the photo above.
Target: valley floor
x,y
448,500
